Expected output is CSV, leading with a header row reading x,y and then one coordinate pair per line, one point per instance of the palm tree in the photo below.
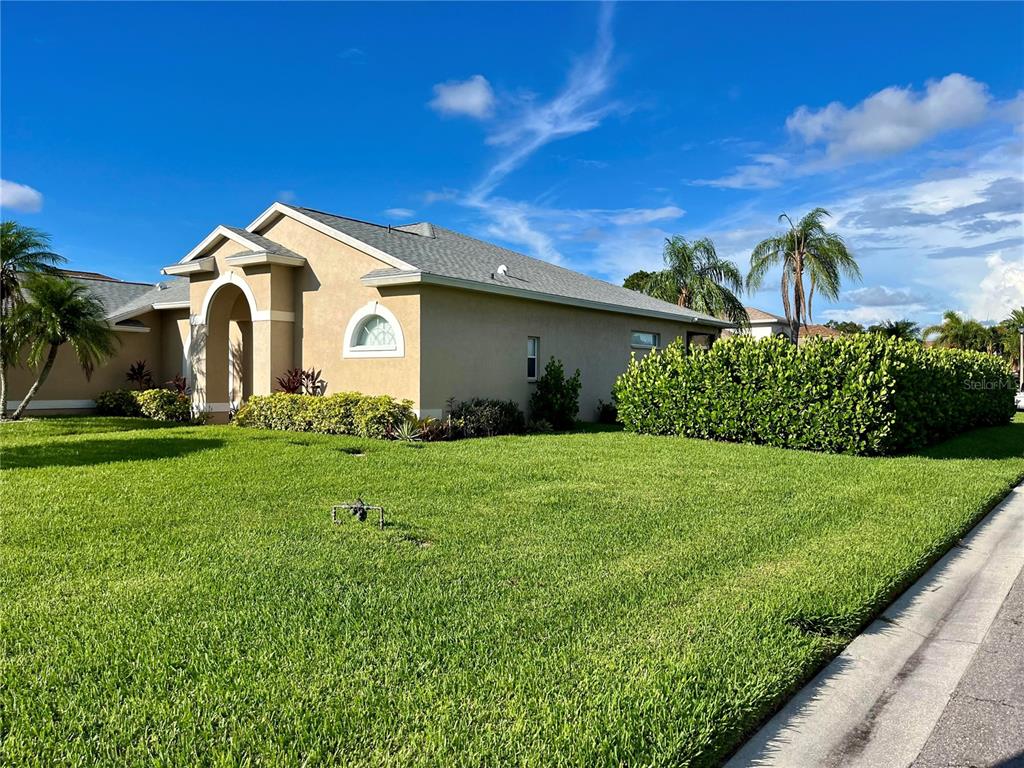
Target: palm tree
x,y
907,330
697,278
57,312
956,332
1010,331
23,251
807,248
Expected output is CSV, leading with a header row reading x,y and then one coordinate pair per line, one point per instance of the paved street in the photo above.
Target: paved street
x,y
936,682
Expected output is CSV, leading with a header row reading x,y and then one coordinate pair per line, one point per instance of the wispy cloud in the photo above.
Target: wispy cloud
x,y
20,197
399,213
473,97
577,108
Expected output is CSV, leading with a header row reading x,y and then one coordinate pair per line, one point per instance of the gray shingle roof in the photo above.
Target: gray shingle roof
x,y
119,297
265,243
451,254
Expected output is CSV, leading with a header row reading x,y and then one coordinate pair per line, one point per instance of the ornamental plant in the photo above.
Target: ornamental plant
x,y
862,394
556,398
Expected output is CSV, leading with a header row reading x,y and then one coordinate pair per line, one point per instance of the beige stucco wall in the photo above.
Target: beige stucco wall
x,y
327,294
174,340
66,381
474,345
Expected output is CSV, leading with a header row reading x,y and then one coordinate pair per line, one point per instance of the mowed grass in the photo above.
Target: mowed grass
x,y
179,596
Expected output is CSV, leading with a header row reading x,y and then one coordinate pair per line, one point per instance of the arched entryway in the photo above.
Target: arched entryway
x,y
224,358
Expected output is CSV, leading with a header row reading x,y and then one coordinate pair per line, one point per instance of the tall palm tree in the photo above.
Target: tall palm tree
x,y
57,312
1010,331
23,251
697,278
907,330
806,249
959,333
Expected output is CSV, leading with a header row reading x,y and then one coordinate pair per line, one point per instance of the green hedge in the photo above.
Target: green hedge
x,y
861,394
158,404
345,413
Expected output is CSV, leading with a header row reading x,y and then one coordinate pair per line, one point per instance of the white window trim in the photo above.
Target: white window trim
x,y
354,324
656,345
536,367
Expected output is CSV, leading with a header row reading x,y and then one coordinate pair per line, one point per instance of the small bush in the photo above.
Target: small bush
x,y
344,413
140,375
539,427
117,402
164,405
480,417
862,394
556,398
607,413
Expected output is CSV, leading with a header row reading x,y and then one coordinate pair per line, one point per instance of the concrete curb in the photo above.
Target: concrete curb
x,y
877,703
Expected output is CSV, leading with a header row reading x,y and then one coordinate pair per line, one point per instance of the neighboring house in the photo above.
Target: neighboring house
x,y
764,324
415,311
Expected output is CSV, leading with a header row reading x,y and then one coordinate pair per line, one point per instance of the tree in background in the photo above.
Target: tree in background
x,y
907,330
697,278
845,326
637,280
806,250
23,252
959,333
55,312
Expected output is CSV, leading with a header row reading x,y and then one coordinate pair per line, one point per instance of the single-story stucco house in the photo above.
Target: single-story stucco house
x,y
415,311
764,324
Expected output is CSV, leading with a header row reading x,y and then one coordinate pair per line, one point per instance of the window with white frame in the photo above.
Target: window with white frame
x,y
645,340
374,331
532,356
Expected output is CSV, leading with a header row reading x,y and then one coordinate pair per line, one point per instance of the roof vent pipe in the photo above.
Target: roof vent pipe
x,y
502,270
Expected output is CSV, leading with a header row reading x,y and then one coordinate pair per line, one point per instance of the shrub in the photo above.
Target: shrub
x,y
164,405
140,375
607,413
296,381
344,413
480,417
556,398
862,394
117,402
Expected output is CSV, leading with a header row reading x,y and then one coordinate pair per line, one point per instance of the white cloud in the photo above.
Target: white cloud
x,y
882,296
577,108
646,215
400,213
436,196
472,97
894,119
19,197
1000,290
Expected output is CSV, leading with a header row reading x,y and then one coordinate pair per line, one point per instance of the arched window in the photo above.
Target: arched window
x,y
374,331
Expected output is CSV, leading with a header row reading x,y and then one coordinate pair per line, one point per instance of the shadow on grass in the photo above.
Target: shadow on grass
x,y
994,443
82,453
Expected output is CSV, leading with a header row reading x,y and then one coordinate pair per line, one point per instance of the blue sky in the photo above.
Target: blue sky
x,y
580,133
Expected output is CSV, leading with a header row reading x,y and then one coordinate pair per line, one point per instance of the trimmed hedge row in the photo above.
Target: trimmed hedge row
x,y
344,413
158,404
861,394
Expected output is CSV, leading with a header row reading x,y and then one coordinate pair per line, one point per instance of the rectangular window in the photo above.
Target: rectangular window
x,y
701,340
645,340
532,354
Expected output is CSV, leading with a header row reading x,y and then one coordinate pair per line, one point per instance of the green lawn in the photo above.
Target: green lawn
x,y
179,595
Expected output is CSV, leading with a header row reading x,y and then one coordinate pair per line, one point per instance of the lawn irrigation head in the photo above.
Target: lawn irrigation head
x,y
359,510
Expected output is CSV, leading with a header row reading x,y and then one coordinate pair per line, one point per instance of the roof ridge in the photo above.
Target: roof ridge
x,y
388,227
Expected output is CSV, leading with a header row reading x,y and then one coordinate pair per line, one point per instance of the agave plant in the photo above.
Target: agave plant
x,y
407,431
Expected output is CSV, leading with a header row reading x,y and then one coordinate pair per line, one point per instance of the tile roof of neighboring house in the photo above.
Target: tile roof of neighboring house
x,y
816,331
434,250
265,243
760,316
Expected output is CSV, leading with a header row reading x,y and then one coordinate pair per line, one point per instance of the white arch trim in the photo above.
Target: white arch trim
x,y
232,278
356,322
